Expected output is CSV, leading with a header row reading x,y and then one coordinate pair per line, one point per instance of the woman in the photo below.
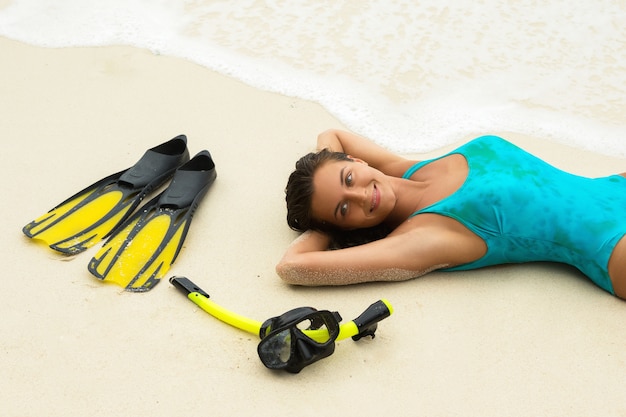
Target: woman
x,y
486,203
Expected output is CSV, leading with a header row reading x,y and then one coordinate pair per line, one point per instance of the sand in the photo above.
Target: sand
x,y
537,339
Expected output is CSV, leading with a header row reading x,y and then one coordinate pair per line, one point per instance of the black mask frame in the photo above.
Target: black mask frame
x,y
284,344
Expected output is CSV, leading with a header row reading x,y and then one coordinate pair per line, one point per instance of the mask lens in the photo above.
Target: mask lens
x,y
320,328
275,350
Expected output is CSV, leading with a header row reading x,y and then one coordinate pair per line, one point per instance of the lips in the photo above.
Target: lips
x,y
375,199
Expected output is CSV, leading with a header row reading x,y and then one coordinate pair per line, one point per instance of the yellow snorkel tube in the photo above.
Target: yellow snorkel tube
x,y
297,338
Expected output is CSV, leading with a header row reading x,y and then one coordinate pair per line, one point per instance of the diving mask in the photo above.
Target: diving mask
x,y
285,345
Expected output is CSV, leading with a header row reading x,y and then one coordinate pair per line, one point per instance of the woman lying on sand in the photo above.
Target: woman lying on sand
x,y
485,203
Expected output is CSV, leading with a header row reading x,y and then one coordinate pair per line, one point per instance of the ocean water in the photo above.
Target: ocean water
x,y
412,75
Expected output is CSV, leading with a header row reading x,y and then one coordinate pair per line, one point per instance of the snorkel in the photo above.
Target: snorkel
x,y
296,338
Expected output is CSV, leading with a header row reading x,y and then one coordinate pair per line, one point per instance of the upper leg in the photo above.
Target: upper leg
x,y
617,265
617,268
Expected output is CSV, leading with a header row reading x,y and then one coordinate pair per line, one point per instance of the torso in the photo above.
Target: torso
x,y
499,204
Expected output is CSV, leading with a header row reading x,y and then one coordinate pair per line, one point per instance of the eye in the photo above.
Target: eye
x,y
349,179
343,209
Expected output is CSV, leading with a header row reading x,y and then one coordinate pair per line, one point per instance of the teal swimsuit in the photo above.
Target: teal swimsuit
x,y
527,210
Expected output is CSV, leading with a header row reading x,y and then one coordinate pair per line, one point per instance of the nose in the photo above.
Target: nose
x,y
357,195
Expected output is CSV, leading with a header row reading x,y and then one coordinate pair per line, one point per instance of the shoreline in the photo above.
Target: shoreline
x,y
534,339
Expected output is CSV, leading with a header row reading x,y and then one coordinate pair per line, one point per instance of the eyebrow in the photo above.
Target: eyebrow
x,y
341,181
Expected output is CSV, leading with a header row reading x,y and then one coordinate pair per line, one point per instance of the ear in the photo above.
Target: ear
x,y
357,159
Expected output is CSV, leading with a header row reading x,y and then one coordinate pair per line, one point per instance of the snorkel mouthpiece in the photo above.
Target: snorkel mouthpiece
x,y
285,346
367,322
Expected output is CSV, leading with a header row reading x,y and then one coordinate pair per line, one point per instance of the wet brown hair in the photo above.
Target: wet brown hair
x,y
299,190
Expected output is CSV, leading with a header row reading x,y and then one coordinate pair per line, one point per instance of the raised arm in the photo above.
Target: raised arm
x,y
364,149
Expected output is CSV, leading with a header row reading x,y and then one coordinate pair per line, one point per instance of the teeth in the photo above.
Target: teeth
x,y
374,198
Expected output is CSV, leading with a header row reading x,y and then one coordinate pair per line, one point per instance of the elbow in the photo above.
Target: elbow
x,y
287,272
292,272
327,132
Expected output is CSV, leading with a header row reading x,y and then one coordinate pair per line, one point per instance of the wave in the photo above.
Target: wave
x,y
412,76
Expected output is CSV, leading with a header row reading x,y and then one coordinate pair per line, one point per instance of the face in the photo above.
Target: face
x,y
351,195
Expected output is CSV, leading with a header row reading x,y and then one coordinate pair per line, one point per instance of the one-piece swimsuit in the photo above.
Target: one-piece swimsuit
x,y
527,210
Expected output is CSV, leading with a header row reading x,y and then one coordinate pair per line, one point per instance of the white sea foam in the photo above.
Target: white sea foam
x,y
414,76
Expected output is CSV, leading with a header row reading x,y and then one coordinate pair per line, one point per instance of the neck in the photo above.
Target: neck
x,y
408,197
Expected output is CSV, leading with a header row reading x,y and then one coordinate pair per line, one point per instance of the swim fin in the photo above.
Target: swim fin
x,y
93,213
142,250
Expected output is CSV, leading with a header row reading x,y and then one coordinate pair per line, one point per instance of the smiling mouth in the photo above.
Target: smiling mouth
x,y
375,199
